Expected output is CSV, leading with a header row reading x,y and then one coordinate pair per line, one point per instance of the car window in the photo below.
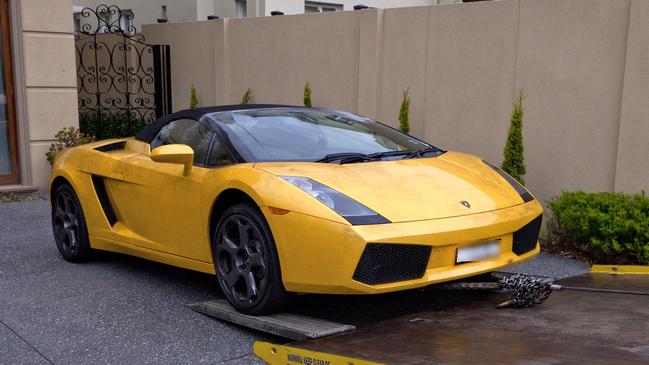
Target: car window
x,y
218,155
186,131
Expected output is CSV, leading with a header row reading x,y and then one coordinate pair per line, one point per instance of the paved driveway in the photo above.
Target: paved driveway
x,y
119,309
116,309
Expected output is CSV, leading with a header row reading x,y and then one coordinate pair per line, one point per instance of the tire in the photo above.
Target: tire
x,y
246,262
69,225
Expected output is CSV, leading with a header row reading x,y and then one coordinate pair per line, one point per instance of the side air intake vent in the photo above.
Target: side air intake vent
x,y
387,263
111,146
525,238
102,195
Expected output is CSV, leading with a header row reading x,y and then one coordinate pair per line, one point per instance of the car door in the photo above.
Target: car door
x,y
160,204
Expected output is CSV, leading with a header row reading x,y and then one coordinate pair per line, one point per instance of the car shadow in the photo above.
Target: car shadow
x,y
360,310
356,310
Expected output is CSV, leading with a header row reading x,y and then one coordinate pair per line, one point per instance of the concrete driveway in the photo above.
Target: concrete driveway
x,y
119,309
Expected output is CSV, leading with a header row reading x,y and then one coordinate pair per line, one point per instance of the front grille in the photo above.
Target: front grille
x,y
525,238
383,263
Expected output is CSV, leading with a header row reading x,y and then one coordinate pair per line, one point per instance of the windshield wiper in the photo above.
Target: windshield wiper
x,y
343,156
389,153
422,152
347,157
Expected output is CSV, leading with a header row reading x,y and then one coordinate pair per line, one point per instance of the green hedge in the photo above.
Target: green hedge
x,y
605,228
110,125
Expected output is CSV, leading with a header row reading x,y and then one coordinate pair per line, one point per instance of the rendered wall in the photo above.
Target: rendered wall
x,y
47,75
583,63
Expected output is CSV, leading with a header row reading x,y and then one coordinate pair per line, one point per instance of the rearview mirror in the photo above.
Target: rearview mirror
x,y
175,153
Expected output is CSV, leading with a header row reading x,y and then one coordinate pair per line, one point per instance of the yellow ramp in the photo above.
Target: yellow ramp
x,y
283,355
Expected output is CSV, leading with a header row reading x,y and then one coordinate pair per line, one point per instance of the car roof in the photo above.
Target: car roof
x,y
149,132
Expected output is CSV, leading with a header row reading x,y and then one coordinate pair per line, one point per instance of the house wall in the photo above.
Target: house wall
x,y
148,11
583,63
45,78
289,7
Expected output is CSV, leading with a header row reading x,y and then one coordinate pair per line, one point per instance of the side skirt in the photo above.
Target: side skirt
x,y
100,243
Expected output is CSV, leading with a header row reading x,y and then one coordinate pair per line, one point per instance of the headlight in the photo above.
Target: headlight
x,y
353,211
515,184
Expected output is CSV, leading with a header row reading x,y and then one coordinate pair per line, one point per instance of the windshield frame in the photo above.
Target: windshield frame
x,y
246,155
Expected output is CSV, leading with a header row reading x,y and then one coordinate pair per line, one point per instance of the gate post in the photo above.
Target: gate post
x,y
162,79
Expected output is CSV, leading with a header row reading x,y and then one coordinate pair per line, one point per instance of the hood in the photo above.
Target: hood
x,y
413,189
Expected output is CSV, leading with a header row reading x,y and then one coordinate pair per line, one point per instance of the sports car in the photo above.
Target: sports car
x,y
277,200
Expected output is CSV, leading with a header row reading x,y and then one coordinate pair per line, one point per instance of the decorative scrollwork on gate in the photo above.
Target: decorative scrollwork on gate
x,y
117,79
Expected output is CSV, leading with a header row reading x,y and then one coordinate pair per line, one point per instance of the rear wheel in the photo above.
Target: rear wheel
x,y
69,225
246,262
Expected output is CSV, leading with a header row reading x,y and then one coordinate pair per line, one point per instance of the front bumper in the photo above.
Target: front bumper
x,y
320,256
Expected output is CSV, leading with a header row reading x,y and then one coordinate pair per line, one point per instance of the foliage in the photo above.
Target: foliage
x,y
193,101
404,112
67,137
106,125
247,97
307,95
514,157
608,228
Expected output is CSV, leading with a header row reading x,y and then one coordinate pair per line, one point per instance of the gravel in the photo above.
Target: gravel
x,y
551,266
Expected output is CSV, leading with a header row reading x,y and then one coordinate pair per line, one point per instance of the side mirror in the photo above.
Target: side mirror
x,y
175,153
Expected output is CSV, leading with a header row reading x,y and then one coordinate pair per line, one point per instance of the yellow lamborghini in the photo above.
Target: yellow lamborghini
x,y
277,200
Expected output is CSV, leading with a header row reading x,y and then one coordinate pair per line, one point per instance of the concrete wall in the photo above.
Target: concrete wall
x,y
633,140
147,11
45,77
583,63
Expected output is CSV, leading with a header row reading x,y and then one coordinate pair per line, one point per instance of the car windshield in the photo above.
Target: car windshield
x,y
287,134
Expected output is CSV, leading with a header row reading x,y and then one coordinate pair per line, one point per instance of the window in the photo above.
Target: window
x,y
196,135
126,21
218,155
77,22
105,18
8,142
319,7
241,8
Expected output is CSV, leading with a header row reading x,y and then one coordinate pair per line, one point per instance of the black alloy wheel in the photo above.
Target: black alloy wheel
x,y
246,262
69,225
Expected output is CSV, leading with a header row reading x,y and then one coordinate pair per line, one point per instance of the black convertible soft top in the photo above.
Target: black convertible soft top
x,y
149,132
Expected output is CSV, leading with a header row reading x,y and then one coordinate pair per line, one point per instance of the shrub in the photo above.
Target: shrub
x,y
404,112
67,137
514,159
610,228
193,100
110,125
307,95
247,97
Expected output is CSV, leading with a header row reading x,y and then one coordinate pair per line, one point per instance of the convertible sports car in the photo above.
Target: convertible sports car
x,y
277,200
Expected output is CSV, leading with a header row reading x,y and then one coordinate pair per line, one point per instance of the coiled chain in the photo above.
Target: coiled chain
x,y
527,290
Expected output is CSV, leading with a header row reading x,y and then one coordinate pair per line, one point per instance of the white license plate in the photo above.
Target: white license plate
x,y
478,252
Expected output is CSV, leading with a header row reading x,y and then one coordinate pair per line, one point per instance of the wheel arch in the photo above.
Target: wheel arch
x,y
58,181
59,178
223,201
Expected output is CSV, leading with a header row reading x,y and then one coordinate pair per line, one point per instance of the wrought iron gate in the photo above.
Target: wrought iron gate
x,y
123,82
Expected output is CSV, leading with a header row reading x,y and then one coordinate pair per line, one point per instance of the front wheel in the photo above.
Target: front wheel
x,y
246,262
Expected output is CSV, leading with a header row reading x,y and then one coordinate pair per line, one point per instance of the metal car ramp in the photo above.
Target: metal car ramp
x,y
289,325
